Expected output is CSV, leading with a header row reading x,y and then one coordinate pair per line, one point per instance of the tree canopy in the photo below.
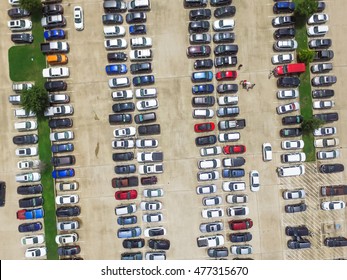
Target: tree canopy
x,y
35,100
31,5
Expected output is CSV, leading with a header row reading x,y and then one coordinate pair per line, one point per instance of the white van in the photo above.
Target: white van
x,y
286,171
293,157
21,113
28,125
114,31
203,113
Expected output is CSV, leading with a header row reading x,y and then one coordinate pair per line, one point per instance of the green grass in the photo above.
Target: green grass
x,y
26,63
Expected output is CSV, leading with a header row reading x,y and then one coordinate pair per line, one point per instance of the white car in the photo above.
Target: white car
x,y
267,152
141,42
294,194
28,164
209,163
318,18
317,30
151,168
14,2
254,180
293,157
32,239
285,45
324,131
152,218
147,104
60,136
66,186
287,108
148,232
124,132
123,144
35,252
210,241
153,192
287,94
223,25
119,43
17,87
282,58
208,176
68,225
150,205
210,201
237,198
55,72
212,213
321,67
26,152
326,104
67,199
58,98
210,151
146,143
326,142
229,137
122,94
328,154
228,100
203,113
62,239
28,177
234,186
118,82
238,211
145,92
241,249
19,24
78,18
292,144
333,205
206,189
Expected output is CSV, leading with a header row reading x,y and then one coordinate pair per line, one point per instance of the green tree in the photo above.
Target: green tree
x,y
35,100
31,5
306,56
306,8
309,125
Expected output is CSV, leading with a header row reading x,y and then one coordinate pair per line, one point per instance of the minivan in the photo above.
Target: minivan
x,y
286,171
144,118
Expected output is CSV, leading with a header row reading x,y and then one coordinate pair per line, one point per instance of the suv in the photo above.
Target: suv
x,y
297,231
22,38
55,85
194,51
149,129
240,224
198,26
283,7
299,244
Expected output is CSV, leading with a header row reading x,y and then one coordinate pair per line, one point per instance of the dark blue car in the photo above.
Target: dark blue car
x,y
137,29
60,148
30,227
54,34
233,173
143,80
63,173
127,220
205,88
116,69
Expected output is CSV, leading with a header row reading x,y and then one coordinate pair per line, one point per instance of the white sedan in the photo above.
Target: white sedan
x,y
287,108
147,104
123,144
254,180
318,18
68,225
152,218
223,25
146,143
30,151
317,30
124,132
35,252
287,94
151,205
326,104
116,43
66,238
292,144
60,136
32,239
333,205
324,131
328,154
212,213
55,72
228,100
153,192
78,18
282,58
67,199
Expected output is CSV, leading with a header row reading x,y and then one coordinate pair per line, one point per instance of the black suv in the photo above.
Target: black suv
x,y
55,85
63,160
203,64
17,13
31,189
335,241
198,26
116,56
331,168
119,118
22,38
159,244
25,139
68,211
195,3
292,120
123,156
327,117
226,49
291,132
200,14
30,202
205,140
123,107
297,231
136,17
60,123
53,9
141,67
284,33
288,82
149,129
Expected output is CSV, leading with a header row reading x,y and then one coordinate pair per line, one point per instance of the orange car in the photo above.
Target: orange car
x,y
57,59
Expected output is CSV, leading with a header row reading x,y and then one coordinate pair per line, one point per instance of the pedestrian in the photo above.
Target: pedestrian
x,y
240,66
252,86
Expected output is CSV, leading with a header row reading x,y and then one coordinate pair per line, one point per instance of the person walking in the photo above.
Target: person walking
x,y
240,66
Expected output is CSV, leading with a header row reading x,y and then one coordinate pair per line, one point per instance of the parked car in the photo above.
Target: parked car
x,y
327,117
225,11
287,108
327,80
293,208
288,82
317,30
283,21
254,180
333,205
331,168
284,33
320,43
323,55
200,14
282,58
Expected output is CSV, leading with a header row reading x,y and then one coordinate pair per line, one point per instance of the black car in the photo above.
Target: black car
x,y
2,193
220,2
327,117
200,14
136,17
125,169
335,241
25,139
22,38
30,189
149,129
323,55
284,33
290,132
227,11
292,120
137,29
133,243
323,93
205,140
15,13
297,231
53,9
226,49
199,26
68,211
298,243
63,160
123,156
320,43
204,101
116,56
225,61
68,250
55,86
123,107
320,6
220,252
203,64
30,227
112,19
144,67
30,202
288,82
240,237
152,180
331,168
195,3
227,88
156,232
145,118
159,244
60,123
119,118
224,37
293,208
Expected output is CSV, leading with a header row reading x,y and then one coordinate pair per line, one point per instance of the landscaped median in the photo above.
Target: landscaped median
x,y
26,64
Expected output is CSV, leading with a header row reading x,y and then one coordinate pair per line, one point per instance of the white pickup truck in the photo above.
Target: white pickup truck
x,y
210,241
59,110
149,156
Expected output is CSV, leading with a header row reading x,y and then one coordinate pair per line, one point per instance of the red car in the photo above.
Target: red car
x,y
204,127
226,75
240,224
121,195
234,149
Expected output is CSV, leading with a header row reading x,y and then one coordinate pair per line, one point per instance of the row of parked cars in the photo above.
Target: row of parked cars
x,y
132,138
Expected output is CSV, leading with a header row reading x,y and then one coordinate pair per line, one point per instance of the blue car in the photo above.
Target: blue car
x,y
54,34
116,69
129,232
137,29
203,76
30,227
233,173
205,88
143,80
127,220
63,173
60,148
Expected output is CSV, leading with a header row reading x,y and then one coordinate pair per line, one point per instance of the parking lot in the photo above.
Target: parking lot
x,y
90,96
